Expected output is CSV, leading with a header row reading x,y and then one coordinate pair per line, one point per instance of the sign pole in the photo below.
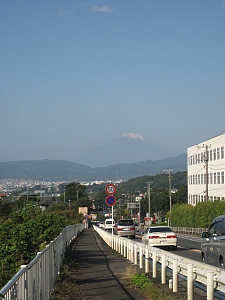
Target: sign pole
x,y
112,229
111,201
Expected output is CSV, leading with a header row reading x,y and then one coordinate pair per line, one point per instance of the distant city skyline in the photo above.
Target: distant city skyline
x,y
77,74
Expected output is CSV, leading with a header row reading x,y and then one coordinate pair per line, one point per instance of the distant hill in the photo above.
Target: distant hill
x,y
59,170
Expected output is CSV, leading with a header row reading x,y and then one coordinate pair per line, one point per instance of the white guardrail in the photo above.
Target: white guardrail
x,y
187,230
36,280
211,277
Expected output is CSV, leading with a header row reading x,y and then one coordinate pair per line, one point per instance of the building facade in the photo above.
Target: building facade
x,y
206,171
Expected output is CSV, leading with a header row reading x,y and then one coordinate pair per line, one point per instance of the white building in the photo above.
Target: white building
x,y
206,169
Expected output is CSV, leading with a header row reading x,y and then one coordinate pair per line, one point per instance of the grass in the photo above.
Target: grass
x,y
148,288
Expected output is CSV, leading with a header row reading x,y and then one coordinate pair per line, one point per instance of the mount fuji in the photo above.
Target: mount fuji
x,y
127,148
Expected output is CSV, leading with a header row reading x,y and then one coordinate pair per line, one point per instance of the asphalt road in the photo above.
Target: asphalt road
x,y
187,246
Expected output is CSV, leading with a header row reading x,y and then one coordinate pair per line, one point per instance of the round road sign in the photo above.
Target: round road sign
x,y
110,200
110,188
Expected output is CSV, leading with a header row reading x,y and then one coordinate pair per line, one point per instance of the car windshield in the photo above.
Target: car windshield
x,y
161,229
125,223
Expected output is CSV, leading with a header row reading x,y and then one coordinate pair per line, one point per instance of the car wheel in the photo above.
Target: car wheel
x,y
174,248
222,263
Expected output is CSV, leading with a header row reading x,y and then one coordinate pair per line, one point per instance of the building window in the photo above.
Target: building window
x,y
218,177
214,178
218,153
211,178
201,157
222,152
201,178
198,178
204,178
222,177
210,156
214,154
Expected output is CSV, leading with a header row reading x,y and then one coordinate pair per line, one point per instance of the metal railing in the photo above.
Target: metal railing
x,y
36,280
187,230
193,272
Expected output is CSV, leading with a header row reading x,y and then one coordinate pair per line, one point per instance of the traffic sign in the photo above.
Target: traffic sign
x,y
110,188
110,200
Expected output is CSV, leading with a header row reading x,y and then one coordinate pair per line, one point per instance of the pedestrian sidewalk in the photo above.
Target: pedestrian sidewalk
x,y
99,271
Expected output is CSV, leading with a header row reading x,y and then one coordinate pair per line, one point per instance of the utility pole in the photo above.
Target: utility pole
x,y
206,160
207,173
131,209
169,171
139,206
149,202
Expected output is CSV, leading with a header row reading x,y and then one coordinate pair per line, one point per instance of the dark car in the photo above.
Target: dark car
x,y
213,243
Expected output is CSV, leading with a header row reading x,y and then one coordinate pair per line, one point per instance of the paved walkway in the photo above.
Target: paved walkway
x,y
100,270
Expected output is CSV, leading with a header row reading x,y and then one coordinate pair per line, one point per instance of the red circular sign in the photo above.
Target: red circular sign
x,y
110,200
110,188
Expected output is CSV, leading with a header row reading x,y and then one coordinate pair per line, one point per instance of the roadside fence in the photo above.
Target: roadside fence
x,y
212,279
191,231
36,280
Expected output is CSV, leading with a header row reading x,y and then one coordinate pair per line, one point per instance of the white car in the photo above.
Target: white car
x,y
109,224
160,236
101,224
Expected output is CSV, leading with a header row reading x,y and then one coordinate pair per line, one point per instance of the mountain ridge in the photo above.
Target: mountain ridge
x,y
60,170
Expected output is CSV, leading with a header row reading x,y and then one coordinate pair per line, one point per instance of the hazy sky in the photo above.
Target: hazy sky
x,y
75,74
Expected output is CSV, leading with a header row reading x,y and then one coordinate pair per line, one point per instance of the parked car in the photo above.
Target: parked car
x,y
213,243
125,227
160,236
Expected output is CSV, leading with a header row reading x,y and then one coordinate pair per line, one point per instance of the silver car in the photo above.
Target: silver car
x,y
213,243
126,227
